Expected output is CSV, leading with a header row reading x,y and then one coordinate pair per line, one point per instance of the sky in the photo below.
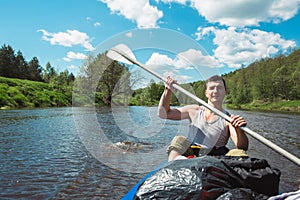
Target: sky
x,y
188,39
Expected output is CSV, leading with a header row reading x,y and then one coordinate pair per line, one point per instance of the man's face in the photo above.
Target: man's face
x,y
215,91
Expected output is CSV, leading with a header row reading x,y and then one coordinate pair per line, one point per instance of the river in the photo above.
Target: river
x,y
76,153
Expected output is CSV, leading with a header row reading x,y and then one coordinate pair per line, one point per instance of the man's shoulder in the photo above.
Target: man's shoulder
x,y
193,107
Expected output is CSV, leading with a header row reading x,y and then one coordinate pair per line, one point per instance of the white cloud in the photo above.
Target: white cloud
x,y
157,59
186,60
168,66
202,32
236,47
140,11
235,13
284,9
175,1
179,77
74,56
97,24
68,38
129,34
247,12
196,58
191,60
72,67
89,19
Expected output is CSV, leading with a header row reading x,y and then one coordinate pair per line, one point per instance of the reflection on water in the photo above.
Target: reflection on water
x,y
43,157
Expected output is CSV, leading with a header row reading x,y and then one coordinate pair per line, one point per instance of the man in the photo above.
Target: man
x,y
207,130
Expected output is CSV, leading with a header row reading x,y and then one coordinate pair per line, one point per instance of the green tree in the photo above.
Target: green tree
x,y
49,73
34,70
20,66
114,81
7,59
102,79
294,81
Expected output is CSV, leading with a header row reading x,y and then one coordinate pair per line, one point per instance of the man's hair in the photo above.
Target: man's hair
x,y
215,78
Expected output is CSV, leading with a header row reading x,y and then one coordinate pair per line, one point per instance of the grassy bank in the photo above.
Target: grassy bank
x,y
16,93
279,106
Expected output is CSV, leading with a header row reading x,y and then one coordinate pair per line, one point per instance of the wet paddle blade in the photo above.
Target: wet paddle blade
x,y
117,53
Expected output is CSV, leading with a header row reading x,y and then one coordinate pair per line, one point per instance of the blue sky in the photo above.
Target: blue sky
x,y
219,35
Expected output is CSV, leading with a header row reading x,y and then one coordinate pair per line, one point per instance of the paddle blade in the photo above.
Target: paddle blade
x,y
117,53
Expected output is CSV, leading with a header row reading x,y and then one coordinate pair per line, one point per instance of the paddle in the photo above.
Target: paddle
x,y
122,53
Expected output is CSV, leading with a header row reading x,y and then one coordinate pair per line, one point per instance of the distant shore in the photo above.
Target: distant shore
x,y
292,107
18,94
279,106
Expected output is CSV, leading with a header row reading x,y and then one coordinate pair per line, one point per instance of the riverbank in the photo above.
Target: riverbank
x,y
279,106
17,93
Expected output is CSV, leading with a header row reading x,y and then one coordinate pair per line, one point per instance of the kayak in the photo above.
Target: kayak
x,y
132,192
209,177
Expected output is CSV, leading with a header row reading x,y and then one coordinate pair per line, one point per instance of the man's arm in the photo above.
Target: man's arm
x,y
164,110
238,136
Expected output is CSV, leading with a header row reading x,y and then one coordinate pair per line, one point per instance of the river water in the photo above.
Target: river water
x,y
80,153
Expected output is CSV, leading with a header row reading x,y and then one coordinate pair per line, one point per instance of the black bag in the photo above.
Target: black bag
x,y
241,194
257,174
198,178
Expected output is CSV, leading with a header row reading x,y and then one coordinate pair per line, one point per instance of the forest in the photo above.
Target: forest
x,y
270,82
267,80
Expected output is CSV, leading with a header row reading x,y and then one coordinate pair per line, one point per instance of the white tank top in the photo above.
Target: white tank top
x,y
208,134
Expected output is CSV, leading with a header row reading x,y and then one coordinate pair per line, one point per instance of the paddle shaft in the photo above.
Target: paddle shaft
x,y
216,111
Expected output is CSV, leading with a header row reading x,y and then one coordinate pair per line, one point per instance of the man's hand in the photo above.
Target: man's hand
x,y
170,82
238,121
